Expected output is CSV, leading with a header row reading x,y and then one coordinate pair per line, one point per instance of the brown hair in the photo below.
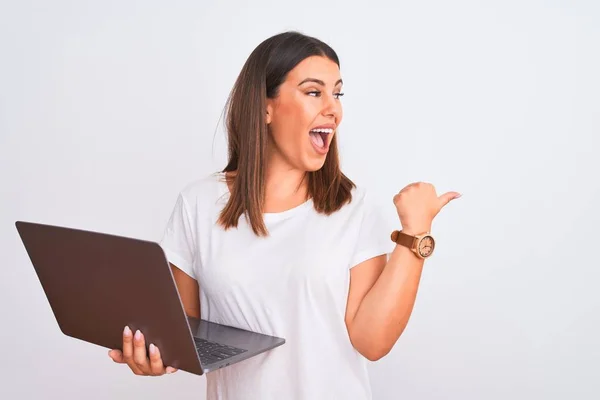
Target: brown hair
x,y
264,71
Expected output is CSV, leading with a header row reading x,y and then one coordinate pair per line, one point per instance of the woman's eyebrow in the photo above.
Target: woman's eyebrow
x,y
318,81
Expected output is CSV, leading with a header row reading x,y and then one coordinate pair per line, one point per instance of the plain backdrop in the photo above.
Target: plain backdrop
x,y
109,108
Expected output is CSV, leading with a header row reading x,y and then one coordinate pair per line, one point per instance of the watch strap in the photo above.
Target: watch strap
x,y
403,239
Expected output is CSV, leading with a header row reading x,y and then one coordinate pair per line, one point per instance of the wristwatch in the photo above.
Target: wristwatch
x,y
422,245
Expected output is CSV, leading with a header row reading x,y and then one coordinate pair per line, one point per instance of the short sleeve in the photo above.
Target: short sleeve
x,y
178,241
374,234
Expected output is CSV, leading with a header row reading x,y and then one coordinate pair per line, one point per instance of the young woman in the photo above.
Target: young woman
x,y
283,243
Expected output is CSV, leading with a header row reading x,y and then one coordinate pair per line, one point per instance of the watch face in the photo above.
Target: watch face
x,y
426,246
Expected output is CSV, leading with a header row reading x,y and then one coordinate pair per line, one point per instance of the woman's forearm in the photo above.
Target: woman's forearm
x,y
385,310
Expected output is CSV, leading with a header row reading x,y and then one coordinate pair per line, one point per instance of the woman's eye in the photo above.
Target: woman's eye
x,y
316,93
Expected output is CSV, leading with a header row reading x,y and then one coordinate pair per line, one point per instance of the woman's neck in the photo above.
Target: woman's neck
x,y
285,188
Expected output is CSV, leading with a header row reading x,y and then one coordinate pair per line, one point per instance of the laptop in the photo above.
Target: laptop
x,y
97,283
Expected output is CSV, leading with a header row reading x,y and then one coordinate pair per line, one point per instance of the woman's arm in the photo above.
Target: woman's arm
x,y
189,291
381,301
382,294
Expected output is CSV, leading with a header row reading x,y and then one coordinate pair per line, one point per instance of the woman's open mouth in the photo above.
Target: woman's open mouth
x,y
320,140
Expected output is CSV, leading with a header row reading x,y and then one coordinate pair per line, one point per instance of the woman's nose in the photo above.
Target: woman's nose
x,y
332,107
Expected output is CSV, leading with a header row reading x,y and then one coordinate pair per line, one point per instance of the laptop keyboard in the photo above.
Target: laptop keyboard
x,y
211,352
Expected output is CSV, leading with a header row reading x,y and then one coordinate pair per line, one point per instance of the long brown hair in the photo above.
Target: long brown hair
x,y
264,71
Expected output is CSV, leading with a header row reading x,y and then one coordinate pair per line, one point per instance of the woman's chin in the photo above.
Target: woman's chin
x,y
314,165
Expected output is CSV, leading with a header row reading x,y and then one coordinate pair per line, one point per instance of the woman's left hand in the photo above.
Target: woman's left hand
x,y
418,204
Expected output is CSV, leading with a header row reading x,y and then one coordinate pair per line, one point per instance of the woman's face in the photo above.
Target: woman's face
x,y
308,99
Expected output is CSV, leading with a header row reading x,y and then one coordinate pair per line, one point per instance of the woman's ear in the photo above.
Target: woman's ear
x,y
269,113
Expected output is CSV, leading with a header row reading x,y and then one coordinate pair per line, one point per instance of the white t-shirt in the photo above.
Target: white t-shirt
x,y
292,284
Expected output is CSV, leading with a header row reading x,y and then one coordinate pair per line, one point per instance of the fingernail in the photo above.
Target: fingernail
x,y
127,331
110,354
170,370
138,335
458,195
152,348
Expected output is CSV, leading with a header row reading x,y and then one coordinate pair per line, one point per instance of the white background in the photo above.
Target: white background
x,y
108,108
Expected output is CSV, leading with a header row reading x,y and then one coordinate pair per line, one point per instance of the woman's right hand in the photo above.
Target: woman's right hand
x,y
134,355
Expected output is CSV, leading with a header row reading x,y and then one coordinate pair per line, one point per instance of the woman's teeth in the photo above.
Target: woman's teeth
x,y
322,130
